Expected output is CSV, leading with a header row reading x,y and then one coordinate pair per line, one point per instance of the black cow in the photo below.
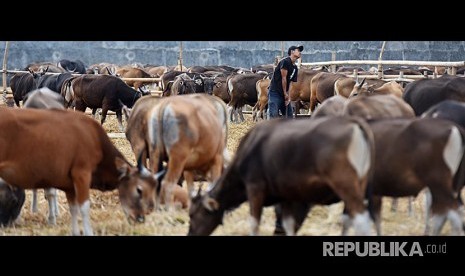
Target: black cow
x,y
21,84
242,88
450,110
423,94
317,161
100,91
11,202
72,66
53,82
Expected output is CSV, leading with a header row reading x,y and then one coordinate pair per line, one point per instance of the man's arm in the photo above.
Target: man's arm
x,y
284,84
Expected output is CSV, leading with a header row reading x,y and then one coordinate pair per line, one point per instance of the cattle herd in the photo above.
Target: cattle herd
x,y
364,139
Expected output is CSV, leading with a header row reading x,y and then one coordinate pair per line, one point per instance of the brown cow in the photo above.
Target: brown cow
x,y
259,109
331,107
322,87
391,87
44,98
299,92
377,107
220,89
186,131
332,163
75,154
131,72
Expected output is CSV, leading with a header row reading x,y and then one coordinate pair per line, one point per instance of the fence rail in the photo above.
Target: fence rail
x,y
52,73
387,62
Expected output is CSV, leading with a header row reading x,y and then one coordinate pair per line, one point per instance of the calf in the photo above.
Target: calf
x,y
333,162
75,154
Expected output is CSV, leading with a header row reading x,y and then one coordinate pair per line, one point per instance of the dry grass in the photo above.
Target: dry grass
x,y
108,218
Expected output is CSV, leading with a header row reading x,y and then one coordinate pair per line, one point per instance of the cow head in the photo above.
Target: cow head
x,y
205,215
136,190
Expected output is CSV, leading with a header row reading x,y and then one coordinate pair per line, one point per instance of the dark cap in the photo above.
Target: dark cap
x,y
292,48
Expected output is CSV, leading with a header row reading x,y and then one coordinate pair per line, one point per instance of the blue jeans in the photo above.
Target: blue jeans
x,y
276,104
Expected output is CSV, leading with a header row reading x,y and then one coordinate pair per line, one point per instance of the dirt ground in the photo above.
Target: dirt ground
x,y
108,219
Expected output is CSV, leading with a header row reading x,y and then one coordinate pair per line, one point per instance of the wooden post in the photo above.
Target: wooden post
x,y
5,58
180,57
333,58
454,71
282,49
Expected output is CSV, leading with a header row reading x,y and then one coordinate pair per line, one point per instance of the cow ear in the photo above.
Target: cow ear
x,y
210,204
123,167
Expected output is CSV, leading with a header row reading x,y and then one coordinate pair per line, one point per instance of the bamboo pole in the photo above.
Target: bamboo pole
x,y
282,49
5,58
380,66
333,58
180,56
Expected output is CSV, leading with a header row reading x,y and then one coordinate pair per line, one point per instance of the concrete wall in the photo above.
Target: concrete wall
x,y
234,53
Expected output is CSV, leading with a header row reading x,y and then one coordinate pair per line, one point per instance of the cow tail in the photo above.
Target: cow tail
x,y
459,178
368,134
160,142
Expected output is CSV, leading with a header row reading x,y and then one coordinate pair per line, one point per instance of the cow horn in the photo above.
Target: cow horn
x,y
140,166
361,84
199,192
159,175
210,204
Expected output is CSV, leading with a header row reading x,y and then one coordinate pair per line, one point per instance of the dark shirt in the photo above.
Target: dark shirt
x,y
276,81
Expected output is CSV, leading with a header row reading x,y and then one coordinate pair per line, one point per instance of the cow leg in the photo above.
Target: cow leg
x,y
256,200
189,177
241,115
236,115
176,164
288,218
230,112
394,204
74,210
428,202
216,169
119,117
313,103
444,206
346,222
255,112
410,206
278,226
81,180
352,196
51,196
296,107
34,201
374,208
104,115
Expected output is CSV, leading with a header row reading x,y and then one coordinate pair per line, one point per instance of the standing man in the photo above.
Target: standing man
x,y
278,93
